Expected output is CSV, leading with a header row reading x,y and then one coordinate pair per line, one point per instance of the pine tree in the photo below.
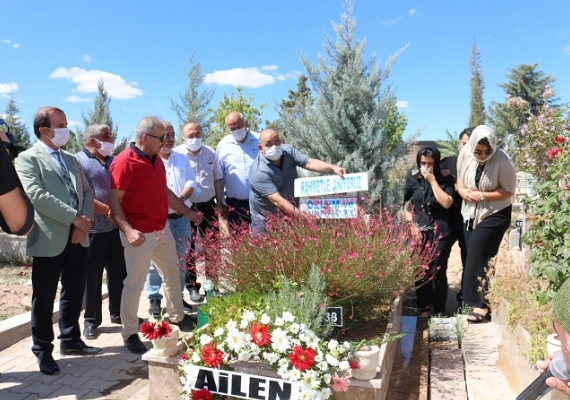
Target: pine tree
x,y
477,116
101,113
352,121
228,104
303,96
527,82
17,127
194,103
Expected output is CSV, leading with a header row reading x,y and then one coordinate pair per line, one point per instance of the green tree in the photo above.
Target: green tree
x,y
75,144
17,127
303,96
228,104
352,121
101,113
526,82
448,147
193,105
477,116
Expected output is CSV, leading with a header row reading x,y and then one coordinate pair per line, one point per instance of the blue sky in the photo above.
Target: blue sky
x,y
53,52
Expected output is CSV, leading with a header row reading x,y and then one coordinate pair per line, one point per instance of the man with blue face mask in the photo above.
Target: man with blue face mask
x,y
235,154
273,174
106,251
63,200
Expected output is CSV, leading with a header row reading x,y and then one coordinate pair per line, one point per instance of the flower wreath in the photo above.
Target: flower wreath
x,y
292,350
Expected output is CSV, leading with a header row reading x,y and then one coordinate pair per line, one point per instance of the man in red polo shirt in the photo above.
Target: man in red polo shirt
x,y
139,205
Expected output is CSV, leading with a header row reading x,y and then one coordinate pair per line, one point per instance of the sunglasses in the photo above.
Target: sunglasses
x,y
161,138
481,152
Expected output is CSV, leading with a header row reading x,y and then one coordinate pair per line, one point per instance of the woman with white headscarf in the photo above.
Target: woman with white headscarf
x,y
486,182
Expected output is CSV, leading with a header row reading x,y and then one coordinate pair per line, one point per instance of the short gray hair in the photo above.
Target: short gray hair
x,y
92,131
147,125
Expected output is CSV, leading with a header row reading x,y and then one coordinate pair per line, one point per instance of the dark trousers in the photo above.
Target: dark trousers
x,y
238,211
46,272
208,211
106,252
482,244
457,234
434,287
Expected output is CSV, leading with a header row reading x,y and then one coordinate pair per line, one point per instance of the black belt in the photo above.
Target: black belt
x,y
174,216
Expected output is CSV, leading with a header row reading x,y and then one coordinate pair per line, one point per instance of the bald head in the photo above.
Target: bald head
x,y
268,138
192,130
235,120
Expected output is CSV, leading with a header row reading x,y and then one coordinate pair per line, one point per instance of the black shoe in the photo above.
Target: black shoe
x,y
48,365
155,310
195,295
188,307
90,332
78,348
186,325
135,345
116,320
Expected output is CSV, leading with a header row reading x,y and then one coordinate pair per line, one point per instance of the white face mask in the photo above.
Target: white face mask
x,y
273,153
60,137
428,169
194,144
239,134
166,150
106,148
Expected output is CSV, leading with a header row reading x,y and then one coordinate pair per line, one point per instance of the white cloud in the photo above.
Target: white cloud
x,y
87,82
16,46
86,58
76,99
567,49
6,41
393,21
252,77
8,88
75,123
402,104
413,12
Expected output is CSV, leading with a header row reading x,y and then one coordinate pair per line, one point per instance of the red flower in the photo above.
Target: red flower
x,y
260,334
162,329
302,359
353,364
202,394
567,187
211,357
560,139
147,329
568,128
554,152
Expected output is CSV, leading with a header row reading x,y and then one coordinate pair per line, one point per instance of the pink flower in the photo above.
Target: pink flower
x,y
342,259
567,187
353,254
340,384
359,276
560,139
554,152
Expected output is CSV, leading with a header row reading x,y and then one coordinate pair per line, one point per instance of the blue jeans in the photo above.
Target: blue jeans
x,y
181,231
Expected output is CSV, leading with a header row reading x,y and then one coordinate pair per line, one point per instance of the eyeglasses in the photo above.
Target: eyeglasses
x,y
481,152
161,138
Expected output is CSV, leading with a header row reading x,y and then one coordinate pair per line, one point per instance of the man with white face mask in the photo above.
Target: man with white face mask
x,y
180,178
106,251
273,174
209,179
236,153
63,200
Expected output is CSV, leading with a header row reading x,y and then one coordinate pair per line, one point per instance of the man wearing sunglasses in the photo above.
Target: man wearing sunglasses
x,y
140,200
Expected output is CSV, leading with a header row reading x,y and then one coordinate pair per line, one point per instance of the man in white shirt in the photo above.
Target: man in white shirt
x,y
207,200
236,153
180,178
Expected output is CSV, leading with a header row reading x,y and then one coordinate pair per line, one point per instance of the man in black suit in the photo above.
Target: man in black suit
x,y
63,201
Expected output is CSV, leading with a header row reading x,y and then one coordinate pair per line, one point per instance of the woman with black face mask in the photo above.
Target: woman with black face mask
x,y
429,195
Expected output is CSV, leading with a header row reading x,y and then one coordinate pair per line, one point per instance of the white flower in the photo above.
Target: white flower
x,y
219,332
346,345
327,378
344,365
295,375
278,321
205,339
231,324
310,379
312,340
244,355
283,372
265,319
288,317
283,362
319,356
248,316
331,360
271,358
326,393
317,395
234,340
294,328
323,365
243,324
305,395
332,344
280,340
196,357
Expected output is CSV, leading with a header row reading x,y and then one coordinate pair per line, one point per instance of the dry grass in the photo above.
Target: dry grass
x,y
13,289
511,282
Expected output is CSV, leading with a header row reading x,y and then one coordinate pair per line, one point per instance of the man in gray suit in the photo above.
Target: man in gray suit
x,y
63,201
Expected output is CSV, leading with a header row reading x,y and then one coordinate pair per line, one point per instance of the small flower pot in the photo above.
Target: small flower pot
x,y
166,346
368,358
552,344
202,317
